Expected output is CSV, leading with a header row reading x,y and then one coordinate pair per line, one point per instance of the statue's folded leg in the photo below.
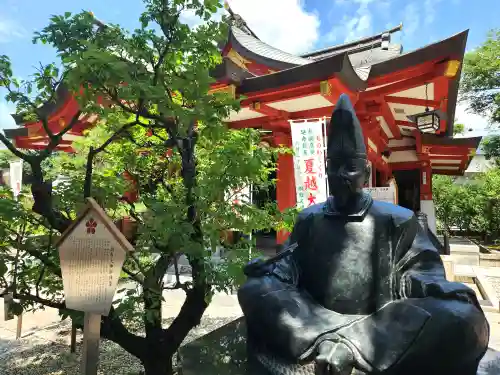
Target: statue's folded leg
x,y
283,319
452,342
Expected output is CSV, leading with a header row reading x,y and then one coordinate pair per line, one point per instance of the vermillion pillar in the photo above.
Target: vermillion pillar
x,y
285,186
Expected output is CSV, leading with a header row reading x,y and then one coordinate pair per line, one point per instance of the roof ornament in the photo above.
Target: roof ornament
x,y
386,40
236,20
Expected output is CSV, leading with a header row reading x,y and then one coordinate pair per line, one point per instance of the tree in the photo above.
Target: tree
x,y
480,86
458,129
473,207
491,147
157,123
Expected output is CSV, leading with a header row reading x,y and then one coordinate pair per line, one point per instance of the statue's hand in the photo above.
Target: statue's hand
x,y
257,268
334,358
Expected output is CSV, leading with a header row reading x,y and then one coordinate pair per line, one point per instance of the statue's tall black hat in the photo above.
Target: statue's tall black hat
x,y
345,136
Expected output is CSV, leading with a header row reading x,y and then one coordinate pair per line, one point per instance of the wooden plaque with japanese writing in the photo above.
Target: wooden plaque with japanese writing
x,y
92,252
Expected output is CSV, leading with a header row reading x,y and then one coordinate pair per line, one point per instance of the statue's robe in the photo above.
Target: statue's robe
x,y
373,281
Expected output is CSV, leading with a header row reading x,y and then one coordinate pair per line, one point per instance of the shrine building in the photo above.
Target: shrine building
x,y
405,102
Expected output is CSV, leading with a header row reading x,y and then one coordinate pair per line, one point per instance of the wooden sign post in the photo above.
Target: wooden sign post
x,y
92,252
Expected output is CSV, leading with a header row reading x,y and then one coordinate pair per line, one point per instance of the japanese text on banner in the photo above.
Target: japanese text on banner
x,y
309,162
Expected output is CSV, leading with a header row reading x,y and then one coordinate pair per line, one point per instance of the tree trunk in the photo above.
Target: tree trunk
x,y
158,365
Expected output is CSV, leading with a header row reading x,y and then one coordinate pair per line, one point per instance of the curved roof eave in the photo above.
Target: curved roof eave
x,y
47,108
453,47
336,65
262,53
450,48
230,71
433,139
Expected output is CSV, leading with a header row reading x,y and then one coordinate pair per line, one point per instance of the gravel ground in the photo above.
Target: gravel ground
x,y
35,355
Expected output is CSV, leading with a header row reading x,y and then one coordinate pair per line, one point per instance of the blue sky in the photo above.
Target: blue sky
x,y
292,25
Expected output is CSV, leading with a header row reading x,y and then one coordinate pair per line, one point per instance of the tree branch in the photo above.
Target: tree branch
x,y
54,142
13,148
87,186
113,329
134,276
42,301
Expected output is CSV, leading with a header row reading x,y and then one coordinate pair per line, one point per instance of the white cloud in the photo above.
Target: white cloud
x,y
411,19
357,26
284,24
430,11
10,30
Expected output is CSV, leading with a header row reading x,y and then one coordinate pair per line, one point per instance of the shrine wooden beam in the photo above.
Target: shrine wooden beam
x,y
268,111
341,88
406,165
39,144
281,94
417,70
403,148
328,91
445,150
42,147
463,165
401,85
412,101
389,119
441,93
368,109
447,157
447,172
249,123
280,125
405,123
311,113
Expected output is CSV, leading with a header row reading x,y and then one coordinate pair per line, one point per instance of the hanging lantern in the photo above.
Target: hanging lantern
x,y
430,120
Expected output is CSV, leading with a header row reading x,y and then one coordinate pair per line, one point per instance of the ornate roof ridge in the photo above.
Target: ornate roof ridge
x,y
354,43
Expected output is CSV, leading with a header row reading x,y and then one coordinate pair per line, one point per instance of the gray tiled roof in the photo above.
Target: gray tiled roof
x,y
263,49
362,53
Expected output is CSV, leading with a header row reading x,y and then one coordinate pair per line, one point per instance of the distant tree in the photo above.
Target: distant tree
x,y
480,86
458,129
491,147
472,207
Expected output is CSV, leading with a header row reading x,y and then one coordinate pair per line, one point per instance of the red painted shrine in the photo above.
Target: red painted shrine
x,y
387,86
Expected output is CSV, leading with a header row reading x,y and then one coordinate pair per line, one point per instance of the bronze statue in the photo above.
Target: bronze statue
x,y
361,289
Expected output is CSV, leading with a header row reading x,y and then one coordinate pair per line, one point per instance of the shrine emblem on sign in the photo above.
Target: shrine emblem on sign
x,y
92,252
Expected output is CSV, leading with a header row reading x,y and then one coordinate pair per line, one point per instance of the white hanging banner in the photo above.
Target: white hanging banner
x,y
16,177
385,194
309,161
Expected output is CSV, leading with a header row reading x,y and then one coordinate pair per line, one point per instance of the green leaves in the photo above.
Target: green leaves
x,y
473,206
481,78
156,134
491,147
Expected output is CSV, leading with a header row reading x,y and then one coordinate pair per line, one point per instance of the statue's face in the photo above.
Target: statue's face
x,y
346,177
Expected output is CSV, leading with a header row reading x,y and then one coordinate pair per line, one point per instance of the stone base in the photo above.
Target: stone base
x,y
224,352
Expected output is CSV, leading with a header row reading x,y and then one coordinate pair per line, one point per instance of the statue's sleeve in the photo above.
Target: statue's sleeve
x,y
421,271
280,315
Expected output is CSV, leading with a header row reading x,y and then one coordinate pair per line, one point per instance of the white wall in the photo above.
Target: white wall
x,y
427,207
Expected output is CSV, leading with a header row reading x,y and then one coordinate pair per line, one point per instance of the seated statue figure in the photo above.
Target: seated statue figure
x,y
360,288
